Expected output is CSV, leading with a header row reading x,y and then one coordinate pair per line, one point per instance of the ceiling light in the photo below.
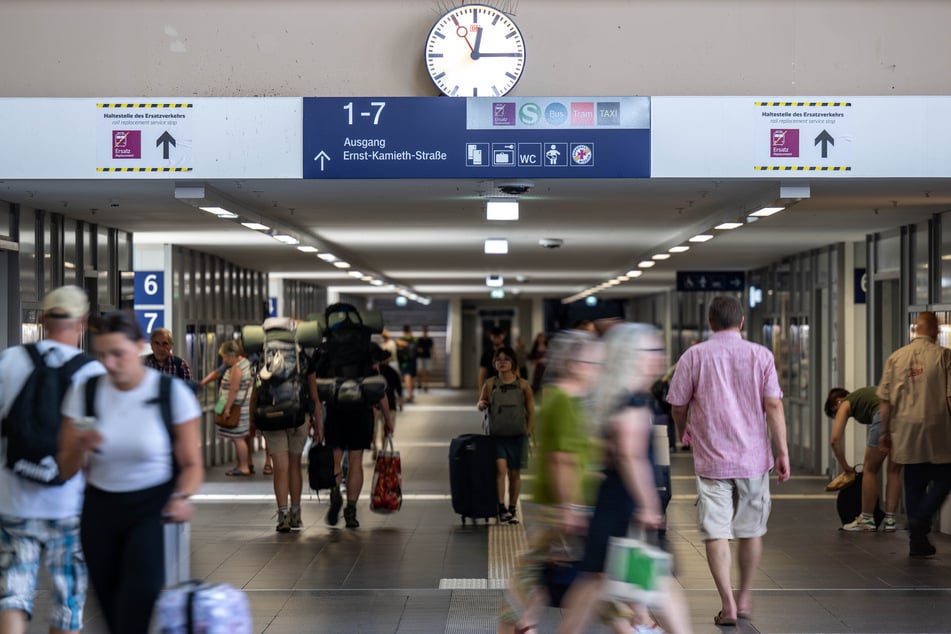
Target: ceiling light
x,y
623,278
221,212
645,264
660,256
286,239
366,278
400,300
377,282
766,211
679,249
494,281
496,246
728,226
633,274
701,237
257,226
501,209
307,249
356,274
340,264
328,257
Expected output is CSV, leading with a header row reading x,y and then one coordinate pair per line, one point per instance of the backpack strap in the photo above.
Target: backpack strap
x,y
34,353
164,401
90,391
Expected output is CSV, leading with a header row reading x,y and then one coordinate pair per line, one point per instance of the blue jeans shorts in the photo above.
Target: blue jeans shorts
x,y
874,431
22,543
512,449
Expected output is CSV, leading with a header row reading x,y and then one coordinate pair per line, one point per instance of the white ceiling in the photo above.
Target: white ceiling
x,y
427,234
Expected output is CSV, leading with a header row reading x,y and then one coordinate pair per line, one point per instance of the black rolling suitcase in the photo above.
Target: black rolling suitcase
x,y
472,477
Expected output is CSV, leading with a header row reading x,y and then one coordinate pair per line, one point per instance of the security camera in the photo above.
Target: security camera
x,y
550,243
514,188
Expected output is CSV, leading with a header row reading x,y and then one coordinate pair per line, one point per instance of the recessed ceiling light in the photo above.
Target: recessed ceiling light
x,y
377,282
635,273
340,264
307,249
220,212
505,209
766,211
660,256
328,257
646,264
496,246
286,239
701,237
356,274
728,226
679,249
257,226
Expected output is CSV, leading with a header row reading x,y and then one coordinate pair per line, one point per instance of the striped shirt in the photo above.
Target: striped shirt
x,y
174,366
724,382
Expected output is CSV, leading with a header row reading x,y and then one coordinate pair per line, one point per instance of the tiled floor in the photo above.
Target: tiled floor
x,y
386,575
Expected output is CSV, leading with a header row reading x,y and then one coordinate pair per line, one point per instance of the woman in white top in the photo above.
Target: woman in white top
x,y
140,467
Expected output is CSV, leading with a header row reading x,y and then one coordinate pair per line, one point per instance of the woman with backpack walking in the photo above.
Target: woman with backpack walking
x,y
134,431
511,421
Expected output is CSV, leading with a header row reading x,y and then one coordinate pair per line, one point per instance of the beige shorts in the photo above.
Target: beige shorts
x,y
728,509
287,440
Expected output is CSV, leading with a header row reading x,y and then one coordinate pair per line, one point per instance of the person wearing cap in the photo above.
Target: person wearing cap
x,y
162,358
37,520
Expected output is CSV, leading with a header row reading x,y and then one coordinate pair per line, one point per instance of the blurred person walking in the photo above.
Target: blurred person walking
x,y
634,357
729,389
142,463
235,391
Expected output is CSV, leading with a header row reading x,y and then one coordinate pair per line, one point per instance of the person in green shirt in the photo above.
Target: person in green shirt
x,y
862,405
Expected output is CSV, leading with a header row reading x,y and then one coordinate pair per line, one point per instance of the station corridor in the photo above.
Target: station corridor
x,y
420,570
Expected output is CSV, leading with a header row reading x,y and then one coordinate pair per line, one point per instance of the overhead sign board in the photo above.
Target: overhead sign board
x,y
711,281
439,137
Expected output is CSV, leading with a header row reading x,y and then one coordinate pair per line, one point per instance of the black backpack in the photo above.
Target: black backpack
x,y
347,351
32,425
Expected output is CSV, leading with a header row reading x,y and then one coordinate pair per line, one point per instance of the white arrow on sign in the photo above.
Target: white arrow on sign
x,y
323,156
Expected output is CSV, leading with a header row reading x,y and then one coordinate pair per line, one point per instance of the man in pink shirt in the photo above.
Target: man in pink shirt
x,y
730,389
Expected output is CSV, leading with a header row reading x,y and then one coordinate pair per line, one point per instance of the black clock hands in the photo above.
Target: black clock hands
x,y
478,42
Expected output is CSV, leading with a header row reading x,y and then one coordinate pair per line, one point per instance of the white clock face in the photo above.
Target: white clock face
x,y
475,51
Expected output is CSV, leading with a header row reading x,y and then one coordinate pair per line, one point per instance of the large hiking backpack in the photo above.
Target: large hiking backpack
x,y
507,415
280,380
31,427
345,374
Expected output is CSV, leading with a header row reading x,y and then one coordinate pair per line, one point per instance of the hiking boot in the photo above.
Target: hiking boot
x,y
860,524
336,502
889,525
350,517
293,519
283,523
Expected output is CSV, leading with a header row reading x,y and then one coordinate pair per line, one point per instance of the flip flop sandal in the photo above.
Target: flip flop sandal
x,y
237,472
723,621
268,469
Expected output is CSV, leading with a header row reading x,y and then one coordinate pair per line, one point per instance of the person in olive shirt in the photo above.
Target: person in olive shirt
x,y
863,406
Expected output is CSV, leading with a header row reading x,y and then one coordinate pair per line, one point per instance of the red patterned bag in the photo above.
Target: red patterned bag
x,y
387,480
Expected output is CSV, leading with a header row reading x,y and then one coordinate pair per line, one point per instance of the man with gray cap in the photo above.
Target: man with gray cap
x,y
37,519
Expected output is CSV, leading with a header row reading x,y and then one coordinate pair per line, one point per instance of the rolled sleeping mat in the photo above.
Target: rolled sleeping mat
x,y
372,319
309,334
252,339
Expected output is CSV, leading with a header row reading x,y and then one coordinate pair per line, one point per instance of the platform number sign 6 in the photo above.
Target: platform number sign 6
x,y
149,298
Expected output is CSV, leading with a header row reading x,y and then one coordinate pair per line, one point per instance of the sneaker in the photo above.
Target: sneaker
x,y
889,525
504,515
293,519
860,524
921,547
336,502
283,524
512,518
350,517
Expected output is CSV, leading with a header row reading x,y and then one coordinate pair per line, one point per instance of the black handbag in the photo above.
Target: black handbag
x,y
320,466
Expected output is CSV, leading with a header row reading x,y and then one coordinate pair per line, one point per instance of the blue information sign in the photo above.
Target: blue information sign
x,y
150,319
699,281
446,137
149,288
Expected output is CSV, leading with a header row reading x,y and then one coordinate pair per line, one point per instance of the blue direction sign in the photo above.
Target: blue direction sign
x,y
700,281
442,137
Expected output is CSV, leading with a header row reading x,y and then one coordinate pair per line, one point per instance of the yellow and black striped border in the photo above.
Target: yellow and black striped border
x,y
802,168
142,170
143,105
804,104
